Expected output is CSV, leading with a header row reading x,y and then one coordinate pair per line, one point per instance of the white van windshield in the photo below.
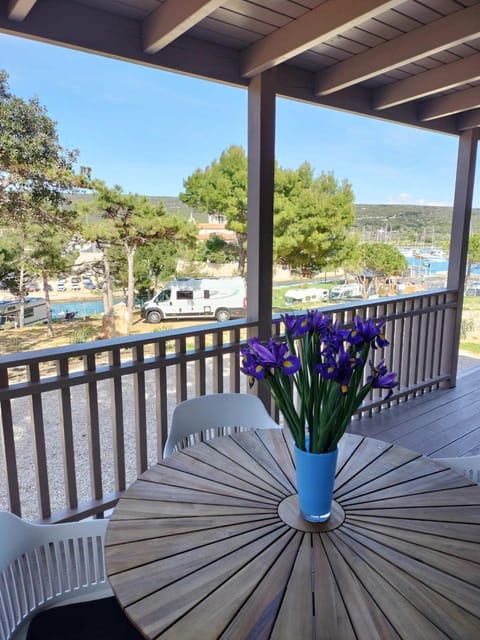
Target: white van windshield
x,y
163,295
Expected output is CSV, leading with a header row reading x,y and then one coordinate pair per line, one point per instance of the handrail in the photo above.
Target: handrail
x,y
79,423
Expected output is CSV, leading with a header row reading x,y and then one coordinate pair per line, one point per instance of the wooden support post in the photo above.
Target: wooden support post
x,y
462,210
261,164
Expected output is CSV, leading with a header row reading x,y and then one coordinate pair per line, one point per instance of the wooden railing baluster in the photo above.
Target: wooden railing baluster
x,y
118,427
161,404
38,433
140,411
66,424
10,455
93,422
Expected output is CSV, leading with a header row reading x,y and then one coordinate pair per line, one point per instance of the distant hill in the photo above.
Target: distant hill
x,y
408,222
405,223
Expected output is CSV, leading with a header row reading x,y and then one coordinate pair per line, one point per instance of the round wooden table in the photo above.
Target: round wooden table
x,y
209,544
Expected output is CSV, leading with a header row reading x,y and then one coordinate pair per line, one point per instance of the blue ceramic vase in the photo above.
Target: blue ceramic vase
x,y
315,480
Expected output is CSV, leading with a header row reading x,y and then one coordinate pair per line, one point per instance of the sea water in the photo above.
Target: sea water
x,y
81,308
426,266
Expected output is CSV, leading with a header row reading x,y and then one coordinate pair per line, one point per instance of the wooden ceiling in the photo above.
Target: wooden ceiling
x,y
407,61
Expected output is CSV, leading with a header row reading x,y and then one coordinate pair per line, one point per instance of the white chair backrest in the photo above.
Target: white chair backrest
x,y
43,565
468,466
223,412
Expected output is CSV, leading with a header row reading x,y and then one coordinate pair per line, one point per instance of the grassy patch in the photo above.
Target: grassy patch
x,y
470,347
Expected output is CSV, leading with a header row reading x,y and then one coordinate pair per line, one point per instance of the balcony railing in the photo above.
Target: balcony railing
x,y
79,423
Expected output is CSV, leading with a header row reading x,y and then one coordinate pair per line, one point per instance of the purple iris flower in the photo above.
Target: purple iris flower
x,y
367,331
290,323
334,338
339,367
302,326
381,378
259,356
263,352
321,323
250,365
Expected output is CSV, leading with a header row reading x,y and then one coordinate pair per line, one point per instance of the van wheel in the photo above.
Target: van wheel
x,y
222,315
154,317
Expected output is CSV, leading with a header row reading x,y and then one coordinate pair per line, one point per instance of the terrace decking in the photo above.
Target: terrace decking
x,y
442,423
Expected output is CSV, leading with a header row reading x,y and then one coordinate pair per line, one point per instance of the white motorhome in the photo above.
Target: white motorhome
x,y
34,310
302,296
347,291
220,298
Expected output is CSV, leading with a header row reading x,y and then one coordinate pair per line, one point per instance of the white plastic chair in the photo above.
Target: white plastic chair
x,y
214,415
468,466
42,566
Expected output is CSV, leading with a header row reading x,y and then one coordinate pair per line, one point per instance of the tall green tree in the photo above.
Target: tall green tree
x,y
312,214
155,262
376,262
312,217
48,258
132,222
215,249
36,174
221,189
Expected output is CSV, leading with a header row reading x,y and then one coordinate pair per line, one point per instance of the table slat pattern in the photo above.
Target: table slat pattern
x,y
200,547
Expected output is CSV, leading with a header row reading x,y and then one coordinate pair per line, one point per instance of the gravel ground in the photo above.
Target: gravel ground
x,y
53,440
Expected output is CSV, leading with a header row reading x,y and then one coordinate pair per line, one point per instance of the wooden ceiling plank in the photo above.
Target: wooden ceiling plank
x,y
172,19
256,12
450,104
429,82
19,9
324,22
410,47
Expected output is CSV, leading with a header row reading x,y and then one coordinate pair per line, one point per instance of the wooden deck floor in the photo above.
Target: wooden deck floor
x,y
443,423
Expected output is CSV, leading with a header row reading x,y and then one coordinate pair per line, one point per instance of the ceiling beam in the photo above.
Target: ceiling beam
x,y
172,19
320,24
446,76
450,104
19,9
469,120
432,38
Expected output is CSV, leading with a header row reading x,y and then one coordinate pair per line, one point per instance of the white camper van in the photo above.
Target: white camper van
x,y
220,298
302,296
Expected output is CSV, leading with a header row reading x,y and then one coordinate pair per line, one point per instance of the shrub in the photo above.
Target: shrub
x,y
82,334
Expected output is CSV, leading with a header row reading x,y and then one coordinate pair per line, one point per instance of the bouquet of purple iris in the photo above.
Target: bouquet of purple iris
x,y
325,364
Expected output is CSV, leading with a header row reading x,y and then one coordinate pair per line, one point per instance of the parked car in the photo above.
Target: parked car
x,y
61,286
473,290
88,284
302,296
346,291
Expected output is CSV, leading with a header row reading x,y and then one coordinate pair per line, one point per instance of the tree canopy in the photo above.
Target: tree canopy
x,y
36,176
36,172
376,261
130,221
312,214
312,217
221,188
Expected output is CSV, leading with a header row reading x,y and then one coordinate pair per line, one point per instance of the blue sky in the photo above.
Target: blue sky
x,y
148,130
